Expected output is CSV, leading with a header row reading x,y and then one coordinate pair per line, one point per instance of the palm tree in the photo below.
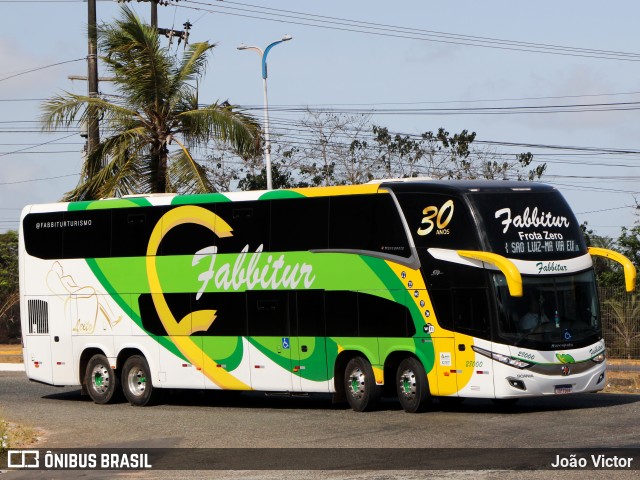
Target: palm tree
x,y
157,103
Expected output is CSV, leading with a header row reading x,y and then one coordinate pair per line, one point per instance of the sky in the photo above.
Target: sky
x,y
557,79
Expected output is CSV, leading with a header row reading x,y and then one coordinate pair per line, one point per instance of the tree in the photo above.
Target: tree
x,y
9,296
339,149
626,312
629,243
608,273
156,104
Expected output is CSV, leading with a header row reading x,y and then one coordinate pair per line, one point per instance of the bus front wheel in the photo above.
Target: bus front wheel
x,y
360,385
412,386
100,380
136,381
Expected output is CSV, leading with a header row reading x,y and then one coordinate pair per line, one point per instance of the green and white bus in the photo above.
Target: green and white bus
x,y
415,289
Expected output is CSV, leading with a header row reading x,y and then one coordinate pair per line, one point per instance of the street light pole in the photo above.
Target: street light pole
x,y
267,142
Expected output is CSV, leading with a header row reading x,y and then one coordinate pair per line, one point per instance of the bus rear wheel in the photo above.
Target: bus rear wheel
x,y
363,394
101,381
412,386
136,381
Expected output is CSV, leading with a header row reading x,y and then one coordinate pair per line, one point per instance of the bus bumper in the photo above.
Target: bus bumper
x,y
510,382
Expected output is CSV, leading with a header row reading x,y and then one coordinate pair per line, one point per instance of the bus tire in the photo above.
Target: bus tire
x,y
412,386
101,381
136,381
361,390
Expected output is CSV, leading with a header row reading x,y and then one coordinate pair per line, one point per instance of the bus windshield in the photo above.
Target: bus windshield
x,y
554,311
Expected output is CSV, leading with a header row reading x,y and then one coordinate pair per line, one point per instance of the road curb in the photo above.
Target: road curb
x,y
11,367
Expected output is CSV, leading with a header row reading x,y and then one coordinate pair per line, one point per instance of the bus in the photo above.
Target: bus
x,y
407,288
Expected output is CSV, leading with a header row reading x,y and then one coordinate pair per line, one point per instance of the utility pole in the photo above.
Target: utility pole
x,y
154,13
93,132
179,34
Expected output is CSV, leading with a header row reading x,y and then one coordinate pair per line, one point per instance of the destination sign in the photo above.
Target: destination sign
x,y
529,226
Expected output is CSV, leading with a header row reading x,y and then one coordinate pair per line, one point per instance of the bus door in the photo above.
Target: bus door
x,y
471,318
309,347
439,323
445,365
270,338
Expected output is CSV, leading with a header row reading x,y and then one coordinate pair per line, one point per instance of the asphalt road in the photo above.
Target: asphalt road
x,y
191,419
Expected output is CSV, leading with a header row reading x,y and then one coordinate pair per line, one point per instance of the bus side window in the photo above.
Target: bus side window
x,y
131,229
187,238
381,317
179,305
249,222
299,224
471,307
310,313
231,313
40,240
268,313
443,306
367,223
342,314
92,236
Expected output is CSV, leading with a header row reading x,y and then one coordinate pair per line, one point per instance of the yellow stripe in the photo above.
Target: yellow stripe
x,y
179,331
338,190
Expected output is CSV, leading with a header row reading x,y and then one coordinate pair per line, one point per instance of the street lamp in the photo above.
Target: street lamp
x,y
263,57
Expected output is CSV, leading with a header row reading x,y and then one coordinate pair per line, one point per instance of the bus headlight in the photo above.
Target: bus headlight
x,y
512,362
599,358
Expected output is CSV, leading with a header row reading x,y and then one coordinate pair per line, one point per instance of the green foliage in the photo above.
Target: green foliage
x,y
8,261
608,273
629,243
258,180
156,104
9,297
625,316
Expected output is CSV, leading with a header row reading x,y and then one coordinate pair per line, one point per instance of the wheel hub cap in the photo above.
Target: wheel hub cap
x,y
408,384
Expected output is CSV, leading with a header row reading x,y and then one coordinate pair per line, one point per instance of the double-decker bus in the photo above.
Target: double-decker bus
x,y
415,289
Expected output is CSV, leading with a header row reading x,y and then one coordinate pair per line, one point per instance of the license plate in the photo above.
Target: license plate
x,y
563,389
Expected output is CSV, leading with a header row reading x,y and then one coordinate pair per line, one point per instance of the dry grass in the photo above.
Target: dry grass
x,y
17,436
623,382
11,349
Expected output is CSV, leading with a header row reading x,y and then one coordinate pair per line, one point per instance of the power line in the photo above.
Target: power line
x,y
378,26
369,106
377,29
39,145
39,179
40,68
517,109
607,209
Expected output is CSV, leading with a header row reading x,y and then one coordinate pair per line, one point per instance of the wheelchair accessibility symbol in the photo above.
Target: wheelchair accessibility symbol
x,y
285,343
